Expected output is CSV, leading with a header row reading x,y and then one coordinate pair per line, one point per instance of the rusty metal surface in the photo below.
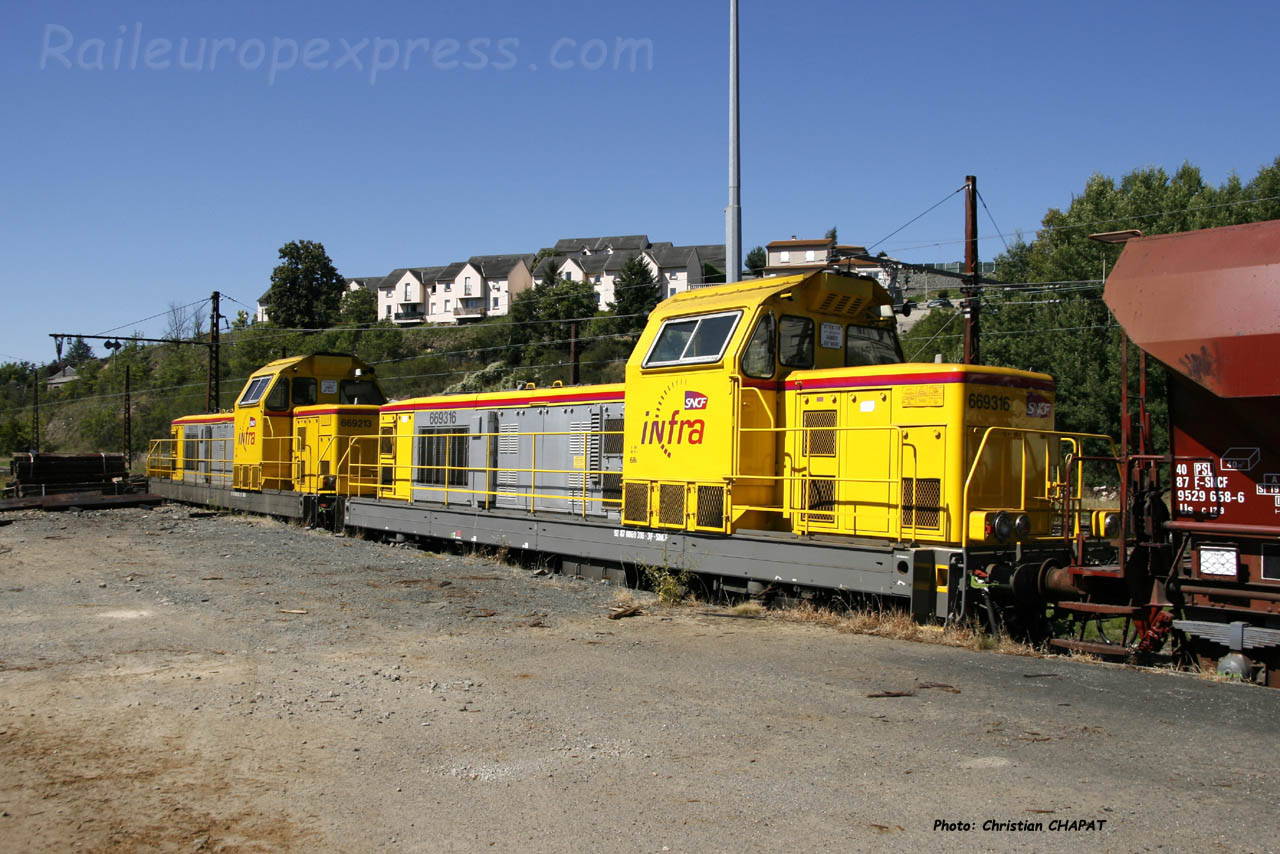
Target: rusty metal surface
x,y
1206,303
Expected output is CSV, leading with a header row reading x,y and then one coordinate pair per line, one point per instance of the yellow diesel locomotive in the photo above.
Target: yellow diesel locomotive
x,y
768,435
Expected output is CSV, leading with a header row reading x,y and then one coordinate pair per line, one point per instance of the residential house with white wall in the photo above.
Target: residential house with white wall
x,y
599,260
797,255
444,288
504,277
790,257
400,296
681,268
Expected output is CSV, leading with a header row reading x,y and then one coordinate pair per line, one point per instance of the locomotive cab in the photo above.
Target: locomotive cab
x,y
705,431
264,411
784,404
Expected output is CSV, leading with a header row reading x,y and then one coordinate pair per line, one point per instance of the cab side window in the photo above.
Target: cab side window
x,y
361,392
795,341
757,359
304,391
278,400
867,345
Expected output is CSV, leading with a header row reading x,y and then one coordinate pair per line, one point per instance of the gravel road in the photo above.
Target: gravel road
x,y
171,681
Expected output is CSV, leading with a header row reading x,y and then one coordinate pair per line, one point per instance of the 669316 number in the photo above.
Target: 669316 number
x,y
990,402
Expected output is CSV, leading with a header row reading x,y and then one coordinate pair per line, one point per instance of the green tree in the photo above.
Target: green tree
x,y
1053,319
757,260
635,294
15,435
832,235
550,271
306,289
359,307
541,321
79,352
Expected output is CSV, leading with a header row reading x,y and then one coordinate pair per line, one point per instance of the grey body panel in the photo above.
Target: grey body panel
x,y
501,455
782,558
207,452
270,502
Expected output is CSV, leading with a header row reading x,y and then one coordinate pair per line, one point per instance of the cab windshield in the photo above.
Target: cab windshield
x,y
692,340
252,394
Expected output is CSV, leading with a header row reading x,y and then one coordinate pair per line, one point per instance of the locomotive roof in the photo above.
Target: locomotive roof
x,y
584,394
280,364
756,291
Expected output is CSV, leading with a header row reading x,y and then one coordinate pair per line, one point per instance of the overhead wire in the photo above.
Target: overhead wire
x,y
1040,231
154,316
1037,331
926,344
914,219
993,221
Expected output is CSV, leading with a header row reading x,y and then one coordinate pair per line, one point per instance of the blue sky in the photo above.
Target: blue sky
x,y
131,184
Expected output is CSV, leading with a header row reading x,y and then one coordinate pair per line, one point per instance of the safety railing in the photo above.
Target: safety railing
x,y
342,465
449,482
797,485
160,458
799,515
1060,483
190,460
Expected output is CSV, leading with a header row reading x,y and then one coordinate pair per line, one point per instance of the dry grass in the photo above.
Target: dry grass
x,y
671,585
624,598
749,608
899,625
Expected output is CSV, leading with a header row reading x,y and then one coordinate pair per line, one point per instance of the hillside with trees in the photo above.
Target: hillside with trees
x,y
532,344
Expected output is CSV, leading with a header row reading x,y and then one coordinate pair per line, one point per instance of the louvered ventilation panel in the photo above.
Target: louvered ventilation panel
x,y
671,504
921,502
842,304
635,503
821,501
612,491
819,433
507,478
612,439
711,507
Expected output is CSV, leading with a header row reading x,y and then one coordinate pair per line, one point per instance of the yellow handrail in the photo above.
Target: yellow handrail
x,y
1075,439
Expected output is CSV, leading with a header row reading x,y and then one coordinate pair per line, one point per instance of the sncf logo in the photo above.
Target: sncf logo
x,y
1037,406
695,400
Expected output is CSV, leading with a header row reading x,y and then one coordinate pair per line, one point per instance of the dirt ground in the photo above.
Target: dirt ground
x,y
172,681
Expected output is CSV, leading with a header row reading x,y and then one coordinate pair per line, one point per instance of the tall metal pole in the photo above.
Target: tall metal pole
x,y
35,411
128,419
972,293
733,213
213,392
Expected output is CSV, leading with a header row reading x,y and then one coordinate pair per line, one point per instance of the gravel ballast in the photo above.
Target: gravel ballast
x,y
171,681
